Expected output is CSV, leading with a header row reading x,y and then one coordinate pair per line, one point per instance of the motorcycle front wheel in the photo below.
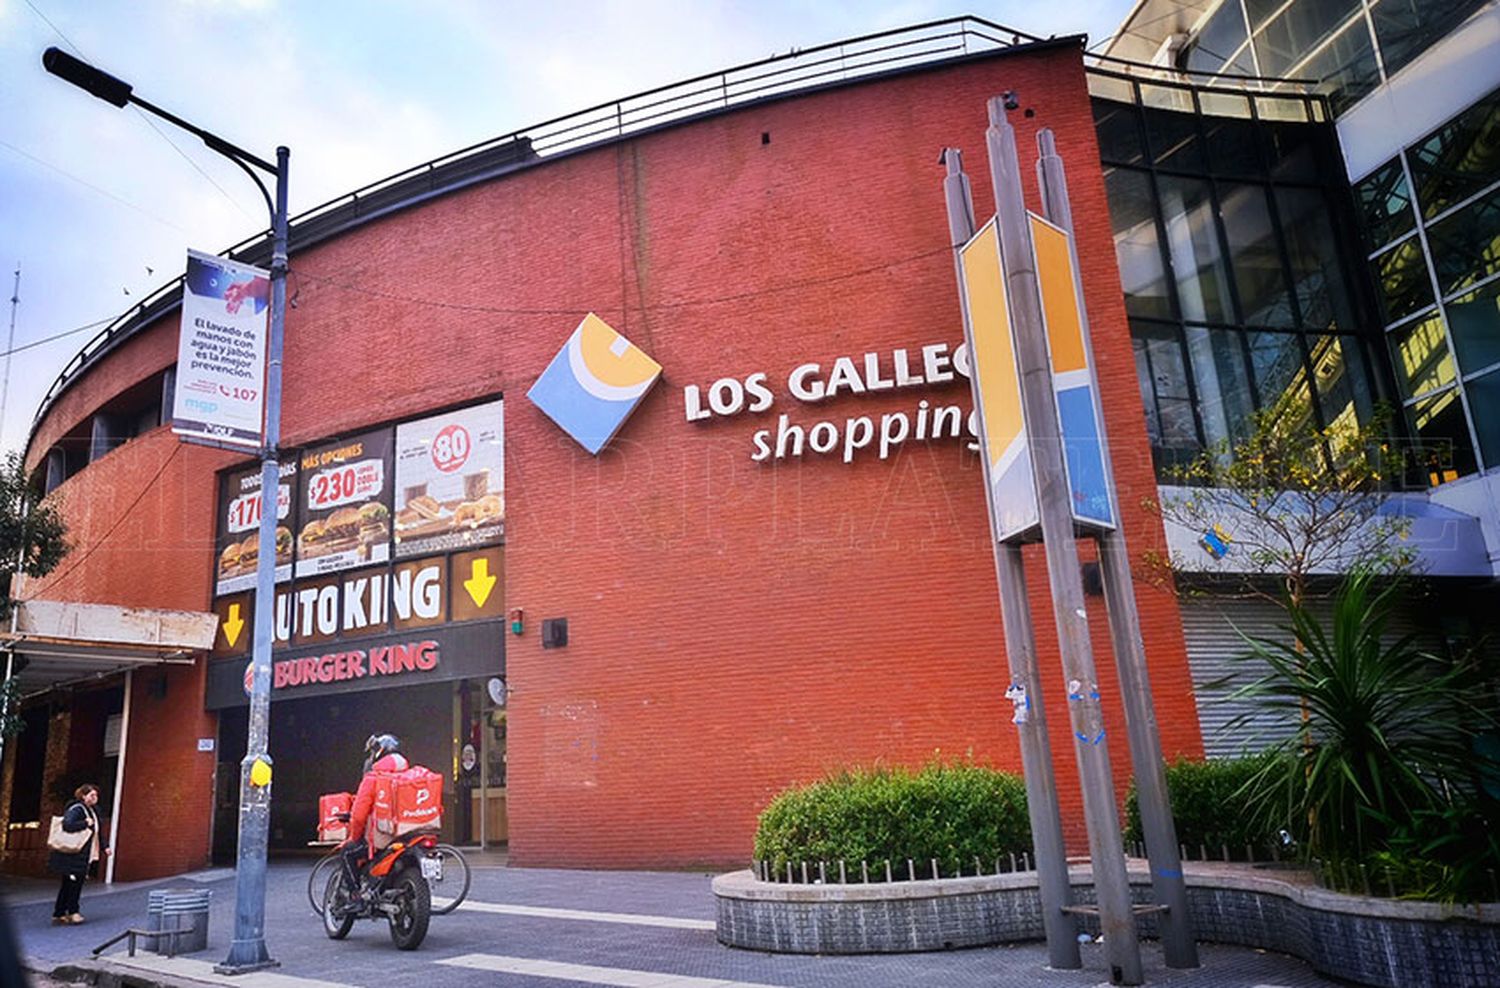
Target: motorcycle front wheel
x,y
414,909
337,922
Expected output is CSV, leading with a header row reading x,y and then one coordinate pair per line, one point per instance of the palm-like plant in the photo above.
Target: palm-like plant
x,y
1387,730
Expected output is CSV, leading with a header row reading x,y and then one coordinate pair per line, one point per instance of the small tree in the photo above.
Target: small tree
x,y
1294,500
33,540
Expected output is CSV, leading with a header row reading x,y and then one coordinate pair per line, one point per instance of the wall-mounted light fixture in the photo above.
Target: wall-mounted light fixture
x,y
517,621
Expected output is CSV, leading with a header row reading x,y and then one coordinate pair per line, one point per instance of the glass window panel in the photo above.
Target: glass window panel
x,y
1466,245
1217,46
1459,158
1221,104
1474,321
1444,450
1260,11
1232,146
1419,354
1258,272
1346,66
1285,109
1193,245
1143,273
1406,28
1163,379
1117,126
1281,375
1292,150
1283,40
1402,279
1174,139
1313,252
1343,387
1385,203
1218,362
1484,403
1110,87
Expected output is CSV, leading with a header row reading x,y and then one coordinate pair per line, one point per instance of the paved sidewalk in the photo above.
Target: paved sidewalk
x,y
535,928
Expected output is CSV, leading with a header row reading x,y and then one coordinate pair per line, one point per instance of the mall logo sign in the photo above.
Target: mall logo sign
x,y
593,384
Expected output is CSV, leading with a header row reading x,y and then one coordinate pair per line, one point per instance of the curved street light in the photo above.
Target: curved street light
x,y
247,951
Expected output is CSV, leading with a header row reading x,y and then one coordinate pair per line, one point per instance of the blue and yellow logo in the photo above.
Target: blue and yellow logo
x,y
594,383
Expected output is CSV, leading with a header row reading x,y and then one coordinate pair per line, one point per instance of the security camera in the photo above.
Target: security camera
x,y
1011,102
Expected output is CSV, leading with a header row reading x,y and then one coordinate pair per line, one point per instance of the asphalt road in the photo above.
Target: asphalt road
x,y
534,928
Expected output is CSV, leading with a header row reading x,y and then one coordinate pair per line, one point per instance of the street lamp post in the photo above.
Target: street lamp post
x,y
247,952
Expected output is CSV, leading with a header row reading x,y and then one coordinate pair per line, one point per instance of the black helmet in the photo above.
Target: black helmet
x,y
378,746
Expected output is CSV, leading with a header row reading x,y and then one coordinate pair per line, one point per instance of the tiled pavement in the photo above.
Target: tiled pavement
x,y
536,928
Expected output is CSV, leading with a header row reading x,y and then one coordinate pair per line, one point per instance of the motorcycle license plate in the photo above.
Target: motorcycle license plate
x,y
432,869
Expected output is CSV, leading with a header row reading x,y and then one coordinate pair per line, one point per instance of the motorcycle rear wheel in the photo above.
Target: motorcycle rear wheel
x,y
409,924
336,921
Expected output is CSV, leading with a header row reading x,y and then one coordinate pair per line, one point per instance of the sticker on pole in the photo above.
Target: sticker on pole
x,y
221,352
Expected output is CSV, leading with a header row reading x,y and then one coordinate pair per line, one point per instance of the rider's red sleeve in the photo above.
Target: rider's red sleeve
x,y
364,801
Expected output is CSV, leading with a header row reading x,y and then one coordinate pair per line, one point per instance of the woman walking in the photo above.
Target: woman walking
x,y
75,867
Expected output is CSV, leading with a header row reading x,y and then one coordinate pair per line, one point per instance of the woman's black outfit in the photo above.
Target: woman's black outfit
x,y
74,868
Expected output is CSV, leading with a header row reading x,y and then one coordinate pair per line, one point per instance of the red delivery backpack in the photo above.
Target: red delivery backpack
x,y
406,801
330,827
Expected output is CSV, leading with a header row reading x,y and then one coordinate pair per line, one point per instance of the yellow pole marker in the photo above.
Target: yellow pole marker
x,y
260,772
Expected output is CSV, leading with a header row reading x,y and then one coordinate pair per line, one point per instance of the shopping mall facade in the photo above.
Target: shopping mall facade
x,y
779,564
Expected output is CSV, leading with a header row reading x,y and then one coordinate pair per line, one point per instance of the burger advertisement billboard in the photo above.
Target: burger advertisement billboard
x,y
345,504
236,545
450,481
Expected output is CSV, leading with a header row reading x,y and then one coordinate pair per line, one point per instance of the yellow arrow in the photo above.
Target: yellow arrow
x,y
233,625
480,583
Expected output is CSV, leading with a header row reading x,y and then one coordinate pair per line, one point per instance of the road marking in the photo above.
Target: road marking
x,y
543,912
620,977
186,967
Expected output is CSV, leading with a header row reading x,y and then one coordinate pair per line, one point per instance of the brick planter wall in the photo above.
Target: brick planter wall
x,y
1383,942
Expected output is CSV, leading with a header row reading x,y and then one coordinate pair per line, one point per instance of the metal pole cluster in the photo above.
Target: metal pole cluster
x,y
1033,368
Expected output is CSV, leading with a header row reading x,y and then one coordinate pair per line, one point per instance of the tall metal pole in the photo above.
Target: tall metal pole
x,y
1020,647
1160,831
10,343
247,952
119,796
1111,884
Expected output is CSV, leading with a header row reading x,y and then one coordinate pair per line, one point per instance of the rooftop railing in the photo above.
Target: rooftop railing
x,y
798,70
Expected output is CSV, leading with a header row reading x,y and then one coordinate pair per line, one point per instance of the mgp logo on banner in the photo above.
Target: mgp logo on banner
x,y
221,351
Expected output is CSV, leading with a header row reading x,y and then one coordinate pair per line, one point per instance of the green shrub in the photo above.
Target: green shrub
x,y
1390,761
951,812
1208,804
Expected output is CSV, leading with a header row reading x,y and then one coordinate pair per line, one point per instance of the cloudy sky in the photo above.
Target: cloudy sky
x,y
98,205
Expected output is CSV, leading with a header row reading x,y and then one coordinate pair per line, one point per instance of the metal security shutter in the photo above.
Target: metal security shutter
x,y
1215,630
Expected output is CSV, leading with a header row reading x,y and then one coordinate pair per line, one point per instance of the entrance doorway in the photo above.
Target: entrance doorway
x,y
479,751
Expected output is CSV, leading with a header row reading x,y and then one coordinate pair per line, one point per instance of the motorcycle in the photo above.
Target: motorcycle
x,y
394,885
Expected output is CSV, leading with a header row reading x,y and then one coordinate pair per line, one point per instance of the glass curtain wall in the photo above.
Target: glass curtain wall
x,y
1433,215
1349,45
1238,257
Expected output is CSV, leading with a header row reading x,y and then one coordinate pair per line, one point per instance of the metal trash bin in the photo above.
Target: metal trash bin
x,y
179,917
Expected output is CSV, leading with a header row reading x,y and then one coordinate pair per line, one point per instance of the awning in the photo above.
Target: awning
x,y
55,643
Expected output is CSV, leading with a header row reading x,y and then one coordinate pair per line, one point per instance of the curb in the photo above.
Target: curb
x,y
107,974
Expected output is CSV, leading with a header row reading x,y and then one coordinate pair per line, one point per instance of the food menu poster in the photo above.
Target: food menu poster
x,y
450,481
345,504
237,545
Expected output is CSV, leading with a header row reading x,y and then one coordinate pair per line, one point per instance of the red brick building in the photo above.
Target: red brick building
x,y
734,626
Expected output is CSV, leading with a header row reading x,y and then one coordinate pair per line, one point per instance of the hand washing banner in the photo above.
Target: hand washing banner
x,y
221,352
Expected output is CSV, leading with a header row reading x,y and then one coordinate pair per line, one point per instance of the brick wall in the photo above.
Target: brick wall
x,y
734,626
